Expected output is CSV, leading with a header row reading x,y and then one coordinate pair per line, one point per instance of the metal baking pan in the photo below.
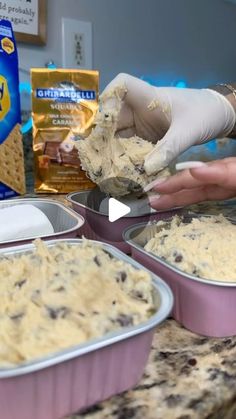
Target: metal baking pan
x,y
66,222
97,225
74,379
203,306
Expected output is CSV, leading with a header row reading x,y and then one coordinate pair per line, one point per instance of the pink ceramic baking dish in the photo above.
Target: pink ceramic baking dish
x,y
65,222
71,380
104,230
203,306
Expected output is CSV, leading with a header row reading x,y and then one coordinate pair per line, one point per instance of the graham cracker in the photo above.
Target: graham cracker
x,y
12,171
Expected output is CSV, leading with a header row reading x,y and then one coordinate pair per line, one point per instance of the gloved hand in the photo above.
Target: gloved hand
x,y
173,118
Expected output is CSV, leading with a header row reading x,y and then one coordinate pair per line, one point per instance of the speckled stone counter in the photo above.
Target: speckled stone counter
x,y
187,377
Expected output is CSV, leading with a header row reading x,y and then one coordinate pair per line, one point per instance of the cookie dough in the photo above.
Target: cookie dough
x,y
58,297
104,156
204,248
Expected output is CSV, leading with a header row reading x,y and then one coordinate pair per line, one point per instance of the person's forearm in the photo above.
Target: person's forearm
x,y
226,90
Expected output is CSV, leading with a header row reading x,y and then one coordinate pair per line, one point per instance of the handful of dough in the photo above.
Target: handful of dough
x,y
115,164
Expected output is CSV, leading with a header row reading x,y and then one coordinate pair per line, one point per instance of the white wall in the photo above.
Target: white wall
x,y
168,39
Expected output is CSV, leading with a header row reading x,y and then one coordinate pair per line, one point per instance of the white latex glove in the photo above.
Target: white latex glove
x,y
173,118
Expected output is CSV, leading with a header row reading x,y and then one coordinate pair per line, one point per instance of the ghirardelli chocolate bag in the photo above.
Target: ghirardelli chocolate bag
x,y
64,105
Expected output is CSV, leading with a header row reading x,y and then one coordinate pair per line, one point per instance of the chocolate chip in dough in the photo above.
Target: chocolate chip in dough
x,y
190,236
98,173
97,261
162,239
17,316
139,168
192,362
125,320
196,272
108,254
19,284
178,258
138,295
121,276
60,289
55,313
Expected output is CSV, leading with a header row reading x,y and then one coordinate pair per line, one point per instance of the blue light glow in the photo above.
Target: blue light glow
x,y
51,65
149,80
181,84
26,87
211,146
163,81
27,126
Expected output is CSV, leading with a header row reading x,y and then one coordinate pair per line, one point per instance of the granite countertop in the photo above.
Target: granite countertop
x,y
187,377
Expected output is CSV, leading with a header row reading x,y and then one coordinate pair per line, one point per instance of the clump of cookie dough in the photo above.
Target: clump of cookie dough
x,y
115,164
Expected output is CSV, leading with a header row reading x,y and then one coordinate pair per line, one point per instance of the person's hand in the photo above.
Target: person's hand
x,y
173,118
212,181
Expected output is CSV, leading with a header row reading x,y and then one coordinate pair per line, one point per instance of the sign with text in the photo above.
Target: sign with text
x,y
28,18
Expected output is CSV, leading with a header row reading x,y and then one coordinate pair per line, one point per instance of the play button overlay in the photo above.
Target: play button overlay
x,y
107,216
116,210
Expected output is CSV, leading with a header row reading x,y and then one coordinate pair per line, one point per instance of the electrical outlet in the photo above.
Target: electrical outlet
x,y
79,49
76,43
